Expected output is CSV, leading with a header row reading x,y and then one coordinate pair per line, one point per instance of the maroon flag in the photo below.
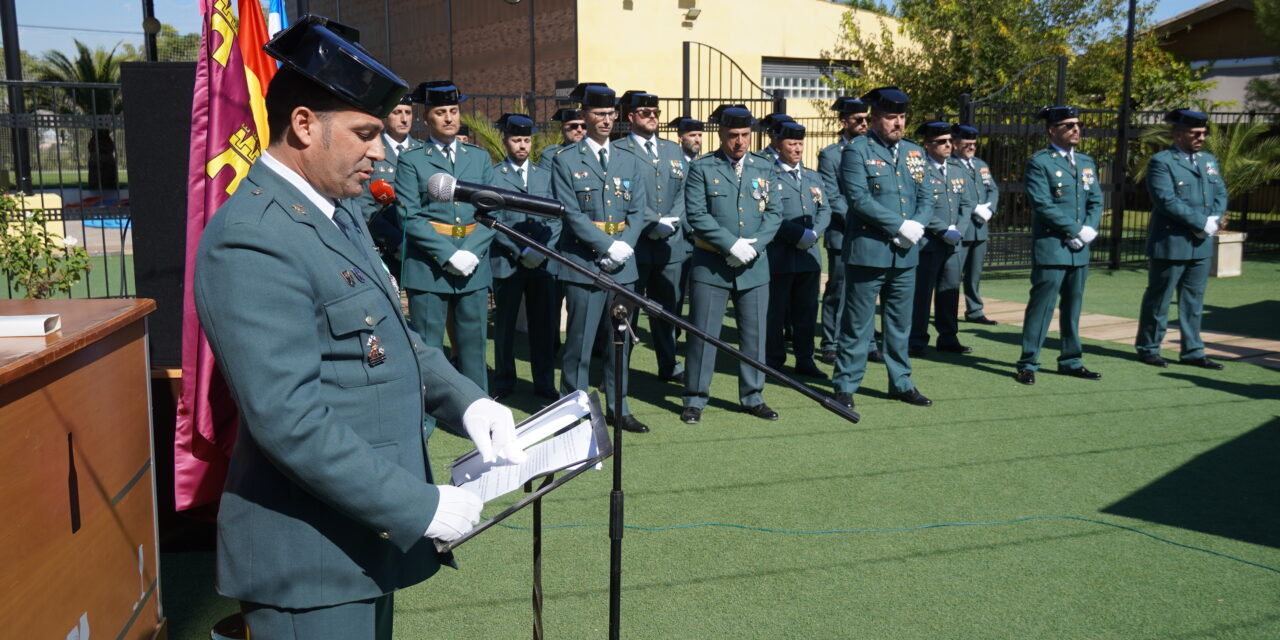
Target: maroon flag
x,y
224,143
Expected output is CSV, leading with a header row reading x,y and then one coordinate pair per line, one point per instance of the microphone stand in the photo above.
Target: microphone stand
x,y
624,300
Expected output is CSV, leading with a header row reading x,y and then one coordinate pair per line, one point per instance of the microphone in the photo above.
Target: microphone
x,y
382,191
443,187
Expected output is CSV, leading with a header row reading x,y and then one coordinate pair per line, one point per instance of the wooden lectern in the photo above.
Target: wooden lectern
x,y
78,550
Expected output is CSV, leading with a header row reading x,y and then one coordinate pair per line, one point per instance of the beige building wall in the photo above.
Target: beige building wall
x,y
636,44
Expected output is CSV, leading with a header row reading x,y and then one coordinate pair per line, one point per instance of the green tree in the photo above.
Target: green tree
x,y
939,49
1264,93
96,65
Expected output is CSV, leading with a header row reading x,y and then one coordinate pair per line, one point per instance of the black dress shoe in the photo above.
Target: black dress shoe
x,y
1026,376
956,348
810,370
675,378
828,357
875,356
912,397
691,415
1153,360
845,399
1080,372
982,320
1202,362
629,423
546,394
762,410
915,352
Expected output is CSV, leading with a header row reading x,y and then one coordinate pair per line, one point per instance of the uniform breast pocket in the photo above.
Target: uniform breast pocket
x,y
587,198
364,340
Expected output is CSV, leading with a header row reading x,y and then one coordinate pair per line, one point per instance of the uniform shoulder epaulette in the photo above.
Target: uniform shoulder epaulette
x,y
709,154
564,149
1042,153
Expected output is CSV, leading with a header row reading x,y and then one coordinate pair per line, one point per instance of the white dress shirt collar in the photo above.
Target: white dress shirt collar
x,y
324,204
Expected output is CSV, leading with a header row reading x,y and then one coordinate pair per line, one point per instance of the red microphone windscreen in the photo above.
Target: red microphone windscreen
x,y
382,191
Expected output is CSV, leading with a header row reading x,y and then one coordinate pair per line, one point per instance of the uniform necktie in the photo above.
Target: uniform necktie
x,y
523,181
649,147
737,169
604,159
894,149
347,225
795,175
448,153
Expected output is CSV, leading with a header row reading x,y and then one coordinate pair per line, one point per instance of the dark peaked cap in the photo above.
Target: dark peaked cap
x,y
789,130
329,54
565,114
438,93
1056,114
732,116
685,124
936,129
515,124
846,105
638,99
887,99
964,132
598,95
1186,118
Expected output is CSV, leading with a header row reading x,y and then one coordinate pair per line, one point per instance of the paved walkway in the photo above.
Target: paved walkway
x,y
1097,326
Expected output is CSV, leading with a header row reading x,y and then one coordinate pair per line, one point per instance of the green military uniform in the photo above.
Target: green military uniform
x,y
548,155
938,274
833,240
883,190
433,232
973,249
659,260
330,490
383,221
794,273
722,207
601,207
1186,190
1064,197
513,280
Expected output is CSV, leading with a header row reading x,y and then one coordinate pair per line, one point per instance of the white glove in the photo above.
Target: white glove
x,y
531,259
1075,243
902,242
620,251
1087,234
665,228
1211,225
733,261
743,251
456,513
462,263
807,239
911,231
952,235
983,211
492,428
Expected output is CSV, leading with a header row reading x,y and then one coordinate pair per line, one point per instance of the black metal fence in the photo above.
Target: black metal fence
x,y
1010,134
63,143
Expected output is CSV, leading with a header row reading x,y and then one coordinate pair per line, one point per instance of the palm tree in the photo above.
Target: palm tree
x,y
98,66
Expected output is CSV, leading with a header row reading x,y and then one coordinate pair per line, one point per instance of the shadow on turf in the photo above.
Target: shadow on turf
x,y
1229,491
1250,320
825,566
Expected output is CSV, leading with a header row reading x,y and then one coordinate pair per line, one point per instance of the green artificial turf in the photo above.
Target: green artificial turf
x,y
1248,304
1180,453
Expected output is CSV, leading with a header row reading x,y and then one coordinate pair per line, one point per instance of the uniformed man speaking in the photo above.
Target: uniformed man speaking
x,y
329,499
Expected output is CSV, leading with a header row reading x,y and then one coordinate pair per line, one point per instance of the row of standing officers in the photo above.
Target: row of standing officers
x,y
903,224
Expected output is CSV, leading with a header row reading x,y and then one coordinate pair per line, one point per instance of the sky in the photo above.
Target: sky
x,y
108,22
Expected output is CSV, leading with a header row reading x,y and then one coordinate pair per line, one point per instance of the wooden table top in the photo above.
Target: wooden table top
x,y
83,322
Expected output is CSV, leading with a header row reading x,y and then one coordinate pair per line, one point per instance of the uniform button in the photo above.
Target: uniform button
x,y
424,389
457,219
659,200
741,224
739,209
456,203
368,320
659,187
904,215
384,535
415,346
608,202
904,201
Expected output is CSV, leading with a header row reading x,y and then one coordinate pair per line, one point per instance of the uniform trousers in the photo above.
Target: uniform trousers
x,y
793,299
896,287
707,304
1047,284
362,620
1190,278
972,255
538,291
586,308
833,300
937,286
471,322
661,283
